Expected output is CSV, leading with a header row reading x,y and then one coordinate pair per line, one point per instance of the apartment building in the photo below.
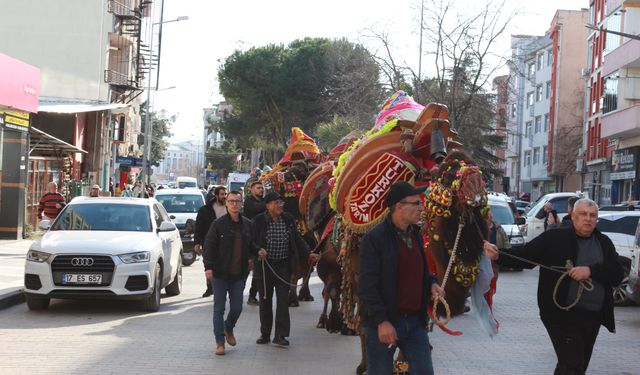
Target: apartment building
x,y
615,106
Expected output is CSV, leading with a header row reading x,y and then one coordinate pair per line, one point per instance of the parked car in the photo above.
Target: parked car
x,y
503,215
621,227
535,216
182,206
124,248
184,182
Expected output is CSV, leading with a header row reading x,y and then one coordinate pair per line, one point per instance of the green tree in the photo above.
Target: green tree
x,y
161,130
330,133
274,88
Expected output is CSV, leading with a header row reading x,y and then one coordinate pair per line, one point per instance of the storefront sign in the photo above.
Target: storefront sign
x,y
624,163
16,120
20,86
126,161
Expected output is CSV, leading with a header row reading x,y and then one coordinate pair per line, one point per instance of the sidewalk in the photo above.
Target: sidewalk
x,y
12,258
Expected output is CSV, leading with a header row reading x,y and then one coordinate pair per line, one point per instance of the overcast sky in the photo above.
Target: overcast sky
x,y
192,50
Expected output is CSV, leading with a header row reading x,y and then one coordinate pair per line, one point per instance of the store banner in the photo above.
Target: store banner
x,y
624,163
16,120
20,86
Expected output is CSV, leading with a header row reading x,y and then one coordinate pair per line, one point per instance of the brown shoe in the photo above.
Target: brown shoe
x,y
231,339
219,349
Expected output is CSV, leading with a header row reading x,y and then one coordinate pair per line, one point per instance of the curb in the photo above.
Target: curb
x,y
11,298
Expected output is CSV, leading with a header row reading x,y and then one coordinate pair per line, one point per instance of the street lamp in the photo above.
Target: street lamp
x,y
148,131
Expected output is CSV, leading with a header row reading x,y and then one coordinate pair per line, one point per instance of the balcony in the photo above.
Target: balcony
x,y
124,8
625,56
621,123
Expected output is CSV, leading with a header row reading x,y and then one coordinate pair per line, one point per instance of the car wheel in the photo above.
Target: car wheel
x,y
188,257
175,287
37,303
152,303
620,297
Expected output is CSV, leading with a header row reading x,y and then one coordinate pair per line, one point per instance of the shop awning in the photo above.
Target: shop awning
x,y
78,107
45,142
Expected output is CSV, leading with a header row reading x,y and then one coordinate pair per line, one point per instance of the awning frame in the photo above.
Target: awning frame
x,y
46,142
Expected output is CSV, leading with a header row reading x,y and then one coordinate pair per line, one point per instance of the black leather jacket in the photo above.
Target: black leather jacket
x,y
218,247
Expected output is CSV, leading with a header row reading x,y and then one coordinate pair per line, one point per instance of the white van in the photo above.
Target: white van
x,y
184,182
235,181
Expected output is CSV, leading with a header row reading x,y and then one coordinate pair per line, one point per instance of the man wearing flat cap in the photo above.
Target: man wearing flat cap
x,y
395,286
95,191
281,248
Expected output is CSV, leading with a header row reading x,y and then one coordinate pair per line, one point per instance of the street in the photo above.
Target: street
x,y
102,337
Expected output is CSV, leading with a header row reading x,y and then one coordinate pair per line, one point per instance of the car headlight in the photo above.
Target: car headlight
x,y
37,256
140,257
517,240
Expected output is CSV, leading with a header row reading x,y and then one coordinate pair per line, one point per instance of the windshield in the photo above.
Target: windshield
x,y
104,217
502,215
235,186
186,184
181,202
624,225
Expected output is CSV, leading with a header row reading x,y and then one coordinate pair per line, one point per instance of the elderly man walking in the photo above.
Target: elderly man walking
x,y
51,202
589,255
227,248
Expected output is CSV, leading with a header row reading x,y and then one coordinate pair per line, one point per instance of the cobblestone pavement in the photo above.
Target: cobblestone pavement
x,y
85,337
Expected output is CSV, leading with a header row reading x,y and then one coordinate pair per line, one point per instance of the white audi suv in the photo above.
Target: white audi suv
x,y
124,248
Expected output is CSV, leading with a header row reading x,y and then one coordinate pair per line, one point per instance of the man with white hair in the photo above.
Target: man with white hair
x,y
51,202
586,254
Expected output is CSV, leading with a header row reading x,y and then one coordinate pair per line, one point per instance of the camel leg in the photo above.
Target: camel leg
x,y
335,323
305,293
293,298
322,322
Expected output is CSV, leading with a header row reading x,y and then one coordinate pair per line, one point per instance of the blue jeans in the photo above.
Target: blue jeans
x,y
221,287
412,340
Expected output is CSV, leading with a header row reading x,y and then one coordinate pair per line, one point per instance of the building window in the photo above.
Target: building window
x,y
527,129
544,154
538,124
513,110
610,97
531,71
549,57
540,61
527,158
536,155
538,93
548,93
546,122
612,40
529,99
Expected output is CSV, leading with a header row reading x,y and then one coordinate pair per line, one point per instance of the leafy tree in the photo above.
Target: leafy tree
x,y
274,88
160,132
330,133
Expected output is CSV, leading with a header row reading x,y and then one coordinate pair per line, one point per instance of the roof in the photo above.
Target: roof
x,y
58,105
190,191
45,142
113,200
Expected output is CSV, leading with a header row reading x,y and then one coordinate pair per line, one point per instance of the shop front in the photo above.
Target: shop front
x,y
624,169
19,91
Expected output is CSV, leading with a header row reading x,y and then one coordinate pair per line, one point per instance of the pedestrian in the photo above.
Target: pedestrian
x,y
395,286
51,203
207,214
227,249
566,220
95,191
592,256
254,205
281,247
127,191
137,190
550,217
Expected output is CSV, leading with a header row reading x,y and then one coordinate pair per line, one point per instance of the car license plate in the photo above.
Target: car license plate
x,y
76,278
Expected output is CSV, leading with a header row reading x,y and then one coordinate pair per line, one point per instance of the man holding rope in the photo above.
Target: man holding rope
x,y
395,286
571,311
281,248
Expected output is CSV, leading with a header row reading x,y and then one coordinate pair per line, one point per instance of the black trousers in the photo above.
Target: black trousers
x,y
253,291
573,341
283,323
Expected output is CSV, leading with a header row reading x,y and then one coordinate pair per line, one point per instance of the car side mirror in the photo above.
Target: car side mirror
x,y
520,221
167,226
44,224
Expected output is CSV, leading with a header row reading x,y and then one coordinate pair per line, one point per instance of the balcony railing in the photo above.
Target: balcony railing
x,y
124,8
113,77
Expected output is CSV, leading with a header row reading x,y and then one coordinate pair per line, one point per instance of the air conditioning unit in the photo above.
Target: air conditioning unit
x,y
585,72
579,163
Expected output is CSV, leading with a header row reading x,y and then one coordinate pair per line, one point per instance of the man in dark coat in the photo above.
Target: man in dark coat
x,y
227,249
253,206
206,216
281,248
566,220
573,331
395,286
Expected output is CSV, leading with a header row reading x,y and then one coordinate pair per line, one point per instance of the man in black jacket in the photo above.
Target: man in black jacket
x,y
227,249
572,331
206,216
395,286
253,206
281,247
